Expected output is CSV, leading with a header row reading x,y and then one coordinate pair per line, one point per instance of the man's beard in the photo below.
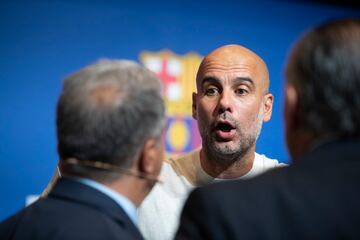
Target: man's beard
x,y
228,154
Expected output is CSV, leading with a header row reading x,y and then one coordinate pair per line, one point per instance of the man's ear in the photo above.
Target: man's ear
x,y
268,104
291,107
194,104
151,157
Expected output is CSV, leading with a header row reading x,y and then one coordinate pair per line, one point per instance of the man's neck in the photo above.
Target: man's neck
x,y
237,168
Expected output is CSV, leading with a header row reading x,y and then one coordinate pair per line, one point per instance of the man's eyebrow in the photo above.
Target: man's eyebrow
x,y
240,80
209,80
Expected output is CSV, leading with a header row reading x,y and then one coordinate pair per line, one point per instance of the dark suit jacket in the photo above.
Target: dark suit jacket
x,y
71,211
316,198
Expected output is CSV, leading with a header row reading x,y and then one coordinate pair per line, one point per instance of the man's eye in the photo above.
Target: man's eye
x,y
241,91
211,91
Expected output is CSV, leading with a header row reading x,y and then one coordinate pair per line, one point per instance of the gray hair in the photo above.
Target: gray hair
x,y
107,111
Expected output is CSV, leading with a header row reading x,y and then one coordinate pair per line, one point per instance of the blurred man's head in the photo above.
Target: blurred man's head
x,y
110,114
231,102
322,99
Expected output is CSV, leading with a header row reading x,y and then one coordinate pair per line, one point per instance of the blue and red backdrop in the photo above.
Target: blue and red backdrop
x,y
43,41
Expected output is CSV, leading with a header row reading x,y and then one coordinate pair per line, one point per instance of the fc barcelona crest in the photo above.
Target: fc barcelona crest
x,y
178,74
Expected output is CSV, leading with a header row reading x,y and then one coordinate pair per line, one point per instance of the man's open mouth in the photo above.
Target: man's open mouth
x,y
224,127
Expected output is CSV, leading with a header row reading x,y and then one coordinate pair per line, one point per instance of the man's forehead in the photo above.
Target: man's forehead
x,y
234,61
233,53
216,66
232,81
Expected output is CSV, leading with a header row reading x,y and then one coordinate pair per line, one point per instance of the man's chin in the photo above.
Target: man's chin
x,y
225,148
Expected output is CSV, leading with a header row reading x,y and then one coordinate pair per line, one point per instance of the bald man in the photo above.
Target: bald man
x,y
231,103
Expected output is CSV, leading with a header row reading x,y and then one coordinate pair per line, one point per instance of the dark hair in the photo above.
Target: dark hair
x,y
107,111
324,67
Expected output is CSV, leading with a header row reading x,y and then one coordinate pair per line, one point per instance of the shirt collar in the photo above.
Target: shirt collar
x,y
121,200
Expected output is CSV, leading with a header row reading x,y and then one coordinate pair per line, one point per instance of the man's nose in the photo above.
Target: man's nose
x,y
225,102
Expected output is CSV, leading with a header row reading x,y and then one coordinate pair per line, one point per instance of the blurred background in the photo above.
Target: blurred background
x,y
44,41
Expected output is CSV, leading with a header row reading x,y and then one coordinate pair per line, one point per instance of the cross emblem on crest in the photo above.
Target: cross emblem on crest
x,y
178,76
168,70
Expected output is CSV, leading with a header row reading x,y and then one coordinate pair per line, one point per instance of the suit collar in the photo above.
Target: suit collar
x,y
71,190
125,203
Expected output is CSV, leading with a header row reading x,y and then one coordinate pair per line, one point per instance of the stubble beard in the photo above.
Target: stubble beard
x,y
226,154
